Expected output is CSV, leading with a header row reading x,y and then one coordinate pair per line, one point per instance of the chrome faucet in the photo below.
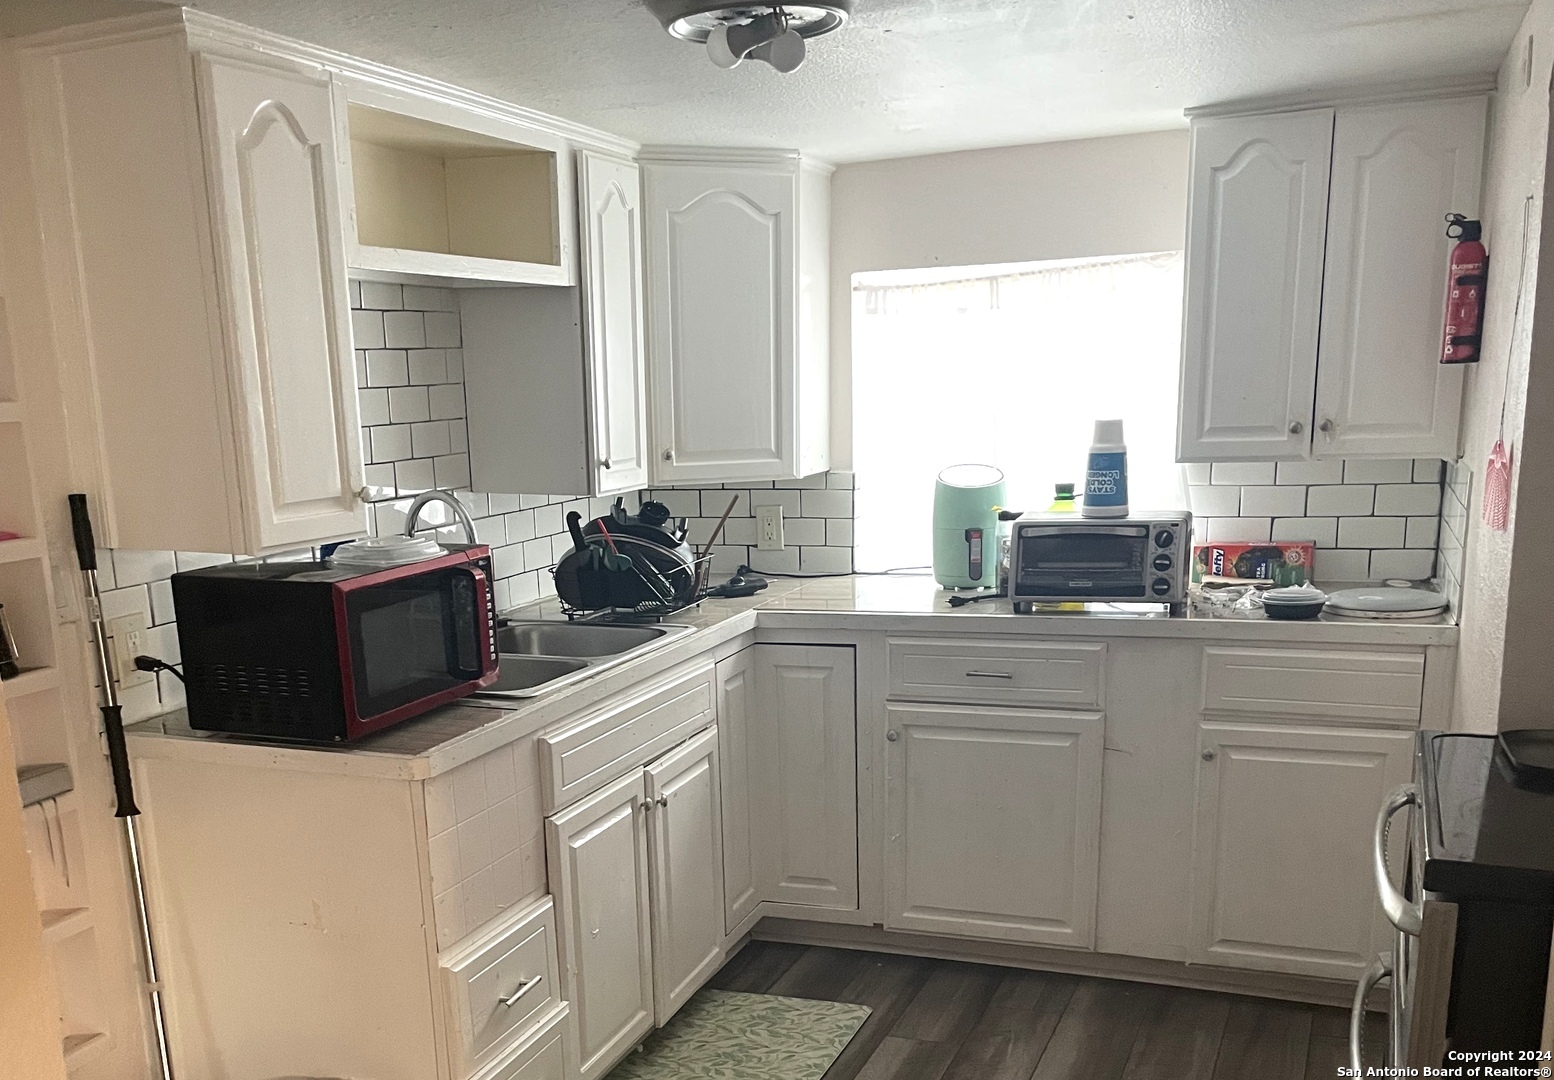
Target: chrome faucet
x,y
413,514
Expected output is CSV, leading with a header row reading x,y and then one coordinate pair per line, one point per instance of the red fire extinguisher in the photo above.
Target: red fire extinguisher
x,y
1464,292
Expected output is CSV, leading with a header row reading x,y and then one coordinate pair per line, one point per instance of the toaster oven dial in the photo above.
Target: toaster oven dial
x,y
1161,586
1164,538
1162,562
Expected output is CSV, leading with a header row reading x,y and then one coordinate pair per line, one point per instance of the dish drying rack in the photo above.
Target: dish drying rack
x,y
617,590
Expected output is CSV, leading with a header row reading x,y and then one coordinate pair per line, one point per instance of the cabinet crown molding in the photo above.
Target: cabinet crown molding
x,y
733,157
213,30
1349,95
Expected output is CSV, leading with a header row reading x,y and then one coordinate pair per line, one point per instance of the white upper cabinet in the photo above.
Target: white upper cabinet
x,y
555,378
737,270
200,308
271,158
1316,277
611,244
1256,219
1397,171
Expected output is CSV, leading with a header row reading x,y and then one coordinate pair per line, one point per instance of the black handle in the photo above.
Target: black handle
x,y
575,527
81,525
118,761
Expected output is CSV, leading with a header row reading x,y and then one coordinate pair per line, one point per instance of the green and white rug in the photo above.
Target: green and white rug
x,y
720,1035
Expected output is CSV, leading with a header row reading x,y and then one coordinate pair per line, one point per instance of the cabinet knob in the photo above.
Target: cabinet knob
x,y
663,800
1208,755
647,805
1296,427
1327,427
892,736
605,463
668,455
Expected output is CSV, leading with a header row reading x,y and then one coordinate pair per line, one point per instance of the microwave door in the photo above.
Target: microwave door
x,y
413,638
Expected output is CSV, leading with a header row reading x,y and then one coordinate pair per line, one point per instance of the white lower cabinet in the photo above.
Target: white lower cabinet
x,y
801,769
635,868
736,709
994,822
1281,877
685,854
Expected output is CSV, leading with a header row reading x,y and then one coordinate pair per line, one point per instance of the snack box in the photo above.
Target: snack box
x,y
1283,563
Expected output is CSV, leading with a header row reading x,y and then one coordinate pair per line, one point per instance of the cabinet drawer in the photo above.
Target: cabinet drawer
x,y
503,985
1002,672
588,753
1295,682
540,1056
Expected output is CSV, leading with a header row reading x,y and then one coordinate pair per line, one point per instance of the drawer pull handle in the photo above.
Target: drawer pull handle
x,y
1405,915
989,675
523,988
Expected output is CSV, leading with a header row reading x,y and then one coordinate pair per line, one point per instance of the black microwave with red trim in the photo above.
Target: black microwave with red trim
x,y
305,651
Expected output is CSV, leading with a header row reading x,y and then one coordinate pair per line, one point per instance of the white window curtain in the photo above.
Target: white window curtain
x,y
1008,366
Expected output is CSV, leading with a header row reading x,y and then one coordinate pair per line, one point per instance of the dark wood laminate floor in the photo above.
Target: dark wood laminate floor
x,y
943,1020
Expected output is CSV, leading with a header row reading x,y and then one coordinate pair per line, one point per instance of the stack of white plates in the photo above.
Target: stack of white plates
x,y
1385,602
382,552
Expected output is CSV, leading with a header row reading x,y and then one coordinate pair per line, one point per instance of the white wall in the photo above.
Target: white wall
x,y
1503,674
1061,200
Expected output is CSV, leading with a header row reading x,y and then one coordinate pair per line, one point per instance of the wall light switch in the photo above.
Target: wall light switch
x,y
127,635
768,528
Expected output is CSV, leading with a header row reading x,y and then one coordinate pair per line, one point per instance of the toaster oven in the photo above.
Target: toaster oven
x,y
1141,559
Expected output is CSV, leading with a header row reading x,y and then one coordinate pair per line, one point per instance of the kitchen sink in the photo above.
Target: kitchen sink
x,y
528,672
573,639
539,656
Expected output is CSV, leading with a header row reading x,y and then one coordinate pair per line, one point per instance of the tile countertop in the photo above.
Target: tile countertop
x,y
448,737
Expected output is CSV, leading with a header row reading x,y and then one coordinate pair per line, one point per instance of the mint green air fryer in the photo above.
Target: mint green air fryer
x,y
966,499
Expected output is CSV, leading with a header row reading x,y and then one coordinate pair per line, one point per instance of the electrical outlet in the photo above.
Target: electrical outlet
x,y
768,528
127,638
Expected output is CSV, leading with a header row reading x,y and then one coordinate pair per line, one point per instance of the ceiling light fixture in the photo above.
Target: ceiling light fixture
x,y
774,33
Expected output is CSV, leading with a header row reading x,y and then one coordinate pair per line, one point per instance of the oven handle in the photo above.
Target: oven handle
x,y
1380,969
1400,913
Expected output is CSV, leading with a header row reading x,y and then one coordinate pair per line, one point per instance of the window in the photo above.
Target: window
x,y
1010,366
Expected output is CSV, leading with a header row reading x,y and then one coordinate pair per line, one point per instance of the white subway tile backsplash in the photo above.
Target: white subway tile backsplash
x,y
839,532
387,367
404,330
1322,531
430,439
374,406
408,404
805,531
1378,471
428,366
1342,565
1428,470
1408,499
367,330
1342,499
442,330
1197,472
1423,532
826,560
390,443
376,294
139,567
414,476
447,403
1217,530
1371,532
1284,501
1413,564
826,503
816,481
1242,472
1311,472
452,471
1215,501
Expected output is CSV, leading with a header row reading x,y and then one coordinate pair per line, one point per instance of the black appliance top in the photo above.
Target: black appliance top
x,y
1485,837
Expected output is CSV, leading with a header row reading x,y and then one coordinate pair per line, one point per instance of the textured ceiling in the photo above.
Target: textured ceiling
x,y
907,76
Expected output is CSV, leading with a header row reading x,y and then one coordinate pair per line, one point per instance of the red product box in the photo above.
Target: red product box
x,y
1287,562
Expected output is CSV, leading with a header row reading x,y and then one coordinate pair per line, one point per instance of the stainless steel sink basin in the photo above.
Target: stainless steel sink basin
x,y
539,656
573,639
527,672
